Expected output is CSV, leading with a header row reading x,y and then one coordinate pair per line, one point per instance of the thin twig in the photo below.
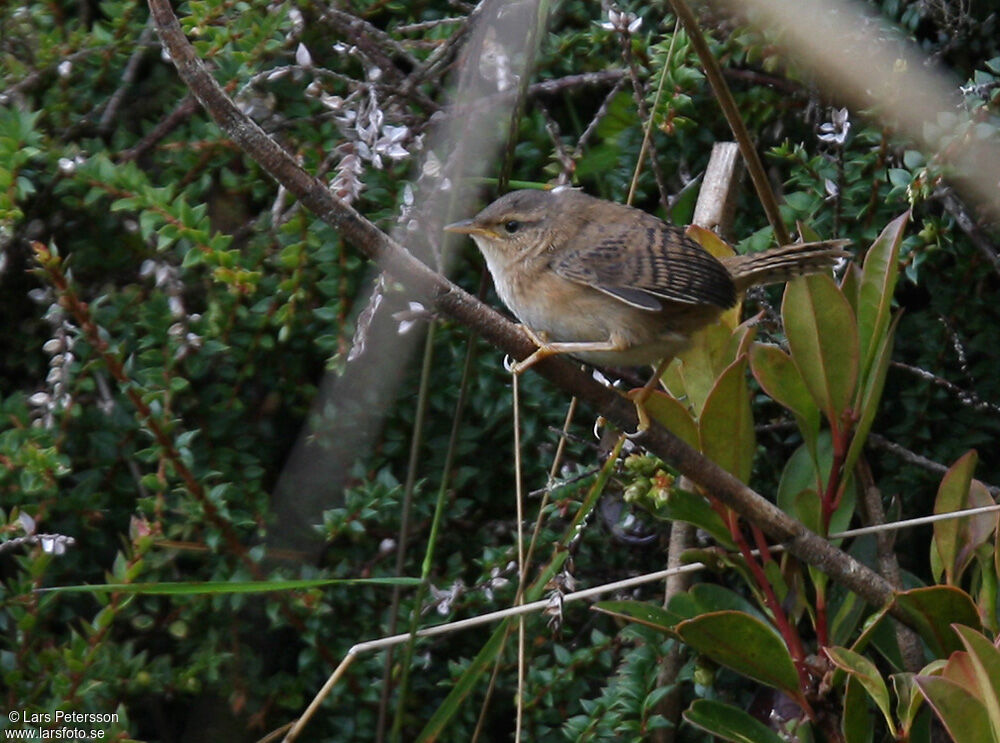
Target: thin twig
x,y
128,78
729,109
968,224
648,126
918,460
964,396
639,94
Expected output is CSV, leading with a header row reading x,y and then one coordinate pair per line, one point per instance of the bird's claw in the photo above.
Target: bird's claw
x,y
638,398
543,351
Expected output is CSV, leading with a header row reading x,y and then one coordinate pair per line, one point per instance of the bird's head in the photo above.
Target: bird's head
x,y
514,226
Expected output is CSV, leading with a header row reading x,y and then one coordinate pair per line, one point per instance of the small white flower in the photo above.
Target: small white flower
x,y
332,102
432,166
27,523
53,546
836,130
176,307
302,56
622,22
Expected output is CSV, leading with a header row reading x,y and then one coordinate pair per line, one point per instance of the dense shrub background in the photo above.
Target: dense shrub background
x,y
157,436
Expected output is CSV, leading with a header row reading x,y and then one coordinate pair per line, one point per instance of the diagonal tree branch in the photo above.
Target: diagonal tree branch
x,y
462,307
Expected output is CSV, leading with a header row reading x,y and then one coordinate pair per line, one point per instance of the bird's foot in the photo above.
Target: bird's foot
x,y
543,351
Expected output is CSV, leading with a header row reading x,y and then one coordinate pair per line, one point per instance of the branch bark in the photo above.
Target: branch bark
x,y
452,301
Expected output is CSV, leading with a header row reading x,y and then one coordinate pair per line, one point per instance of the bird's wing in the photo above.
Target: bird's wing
x,y
650,262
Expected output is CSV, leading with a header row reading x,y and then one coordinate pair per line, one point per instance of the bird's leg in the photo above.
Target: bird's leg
x,y
547,348
639,396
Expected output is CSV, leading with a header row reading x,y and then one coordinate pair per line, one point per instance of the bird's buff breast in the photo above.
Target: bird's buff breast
x,y
565,311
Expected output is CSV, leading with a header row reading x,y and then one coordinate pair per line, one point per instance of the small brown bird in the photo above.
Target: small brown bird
x,y
612,285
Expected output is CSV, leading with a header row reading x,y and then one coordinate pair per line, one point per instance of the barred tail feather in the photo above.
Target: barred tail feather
x,y
781,264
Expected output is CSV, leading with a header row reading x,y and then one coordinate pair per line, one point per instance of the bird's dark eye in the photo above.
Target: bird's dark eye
x,y
511,226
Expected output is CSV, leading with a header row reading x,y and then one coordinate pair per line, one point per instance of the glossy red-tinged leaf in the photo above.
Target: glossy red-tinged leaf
x,y
673,415
960,669
726,423
963,716
933,610
823,338
976,542
780,379
952,495
985,660
855,722
870,396
956,540
865,673
878,281
641,612
729,723
744,644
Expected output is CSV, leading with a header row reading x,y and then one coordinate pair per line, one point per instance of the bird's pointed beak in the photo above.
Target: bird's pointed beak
x,y
466,227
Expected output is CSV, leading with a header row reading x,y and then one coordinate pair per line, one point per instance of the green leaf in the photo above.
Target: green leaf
x,y
797,489
865,672
691,508
729,722
697,369
673,415
746,645
985,659
780,378
878,281
641,612
955,540
726,423
855,722
933,610
870,397
960,712
711,597
823,338
908,700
